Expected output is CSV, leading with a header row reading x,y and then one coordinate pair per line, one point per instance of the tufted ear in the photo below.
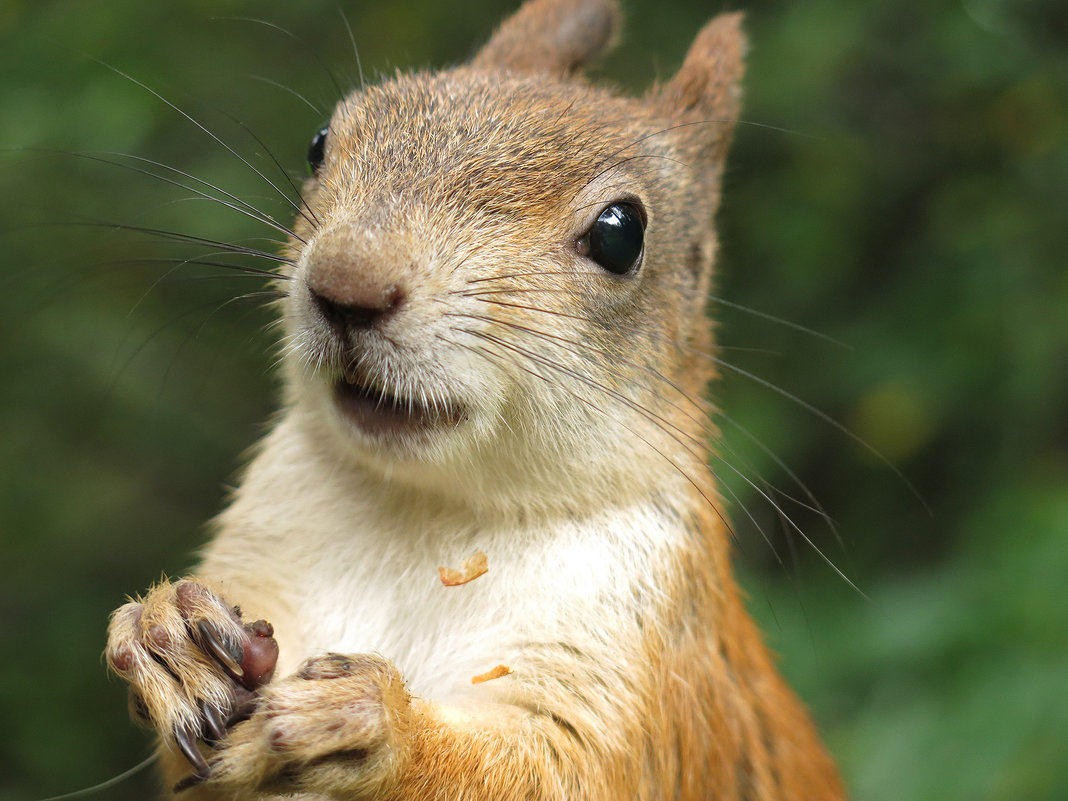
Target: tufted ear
x,y
551,36
708,85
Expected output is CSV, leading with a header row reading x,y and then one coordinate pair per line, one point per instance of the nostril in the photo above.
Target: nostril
x,y
358,313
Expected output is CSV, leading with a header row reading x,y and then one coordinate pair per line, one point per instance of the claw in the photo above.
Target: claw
x,y
192,780
242,712
210,640
186,741
214,724
138,710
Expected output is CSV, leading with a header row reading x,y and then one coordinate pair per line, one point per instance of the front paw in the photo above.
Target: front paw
x,y
338,726
192,664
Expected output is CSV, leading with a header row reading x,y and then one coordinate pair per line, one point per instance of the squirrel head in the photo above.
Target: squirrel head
x,y
502,271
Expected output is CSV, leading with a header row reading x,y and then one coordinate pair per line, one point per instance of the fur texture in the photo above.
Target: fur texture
x,y
461,376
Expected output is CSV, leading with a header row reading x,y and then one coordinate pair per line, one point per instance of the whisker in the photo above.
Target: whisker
x,y
525,274
576,349
658,420
179,263
238,205
218,140
601,411
778,321
713,298
232,300
302,209
808,407
352,41
618,164
288,89
107,783
675,433
305,46
826,418
180,238
147,340
661,422
816,506
233,270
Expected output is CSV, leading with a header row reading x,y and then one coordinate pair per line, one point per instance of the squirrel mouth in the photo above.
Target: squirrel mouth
x,y
377,411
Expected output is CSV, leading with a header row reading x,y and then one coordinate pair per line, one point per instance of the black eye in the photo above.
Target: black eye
x,y
317,149
615,240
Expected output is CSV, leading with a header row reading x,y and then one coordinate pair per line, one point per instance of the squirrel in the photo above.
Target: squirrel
x,y
495,344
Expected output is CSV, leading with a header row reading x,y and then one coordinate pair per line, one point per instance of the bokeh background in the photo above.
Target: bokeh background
x,y
899,186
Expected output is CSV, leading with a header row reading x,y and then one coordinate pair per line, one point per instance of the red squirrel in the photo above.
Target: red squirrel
x,y
495,346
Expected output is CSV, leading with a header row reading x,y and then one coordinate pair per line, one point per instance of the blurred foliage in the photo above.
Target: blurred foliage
x,y
899,185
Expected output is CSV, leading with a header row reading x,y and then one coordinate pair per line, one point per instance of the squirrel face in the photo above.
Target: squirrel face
x,y
506,272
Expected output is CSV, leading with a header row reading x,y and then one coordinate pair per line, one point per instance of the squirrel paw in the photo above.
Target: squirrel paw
x,y
337,724
192,664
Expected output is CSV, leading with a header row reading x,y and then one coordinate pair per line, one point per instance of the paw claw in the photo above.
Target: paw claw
x,y
214,723
211,641
187,744
195,670
192,780
242,712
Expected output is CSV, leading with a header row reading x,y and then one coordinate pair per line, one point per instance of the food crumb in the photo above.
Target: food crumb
x,y
470,569
496,673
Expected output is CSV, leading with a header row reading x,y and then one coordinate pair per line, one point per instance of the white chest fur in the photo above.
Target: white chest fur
x,y
353,571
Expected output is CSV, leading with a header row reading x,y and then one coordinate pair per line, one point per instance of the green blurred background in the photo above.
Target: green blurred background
x,y
900,185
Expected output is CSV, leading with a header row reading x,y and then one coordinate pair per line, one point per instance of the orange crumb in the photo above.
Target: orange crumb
x,y
470,569
496,673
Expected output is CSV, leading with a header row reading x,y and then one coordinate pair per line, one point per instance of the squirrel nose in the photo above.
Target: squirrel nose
x,y
356,311
355,281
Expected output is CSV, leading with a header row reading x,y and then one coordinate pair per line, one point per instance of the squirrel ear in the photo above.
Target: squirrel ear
x,y
551,36
708,85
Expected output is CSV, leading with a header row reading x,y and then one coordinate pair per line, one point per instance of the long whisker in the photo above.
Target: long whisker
x,y
302,208
713,298
305,46
826,418
108,783
218,140
233,270
618,164
675,433
238,205
177,264
771,318
576,348
180,238
601,411
679,434
355,48
808,407
816,506
145,341
661,423
288,89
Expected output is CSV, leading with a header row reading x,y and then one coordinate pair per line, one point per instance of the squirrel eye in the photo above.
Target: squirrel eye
x,y
616,239
317,149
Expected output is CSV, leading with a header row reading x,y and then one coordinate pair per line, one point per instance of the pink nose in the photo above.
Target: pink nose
x,y
352,286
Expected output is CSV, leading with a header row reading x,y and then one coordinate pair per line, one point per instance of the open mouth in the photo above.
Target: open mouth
x,y
377,411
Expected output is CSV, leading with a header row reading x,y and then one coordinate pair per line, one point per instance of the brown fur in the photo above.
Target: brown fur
x,y
685,702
